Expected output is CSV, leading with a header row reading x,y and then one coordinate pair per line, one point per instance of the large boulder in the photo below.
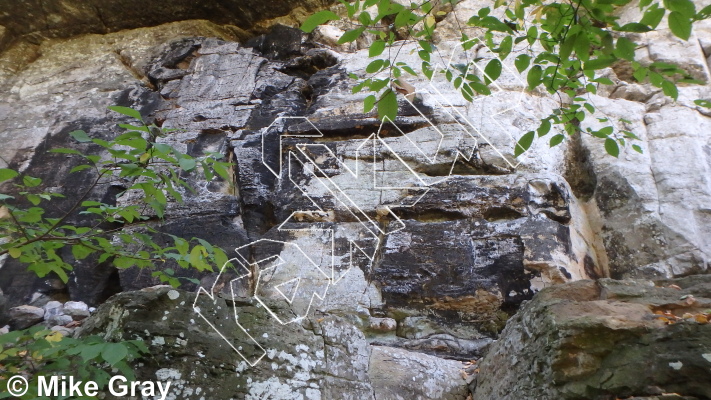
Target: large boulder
x,y
24,316
606,339
207,355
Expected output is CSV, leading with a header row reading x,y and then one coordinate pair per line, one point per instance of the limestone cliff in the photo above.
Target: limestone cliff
x,y
434,235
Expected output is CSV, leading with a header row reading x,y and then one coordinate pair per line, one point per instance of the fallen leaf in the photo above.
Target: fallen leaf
x,y
702,319
73,324
674,287
664,319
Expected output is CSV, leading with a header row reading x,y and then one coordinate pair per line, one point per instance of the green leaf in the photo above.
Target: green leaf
x,y
534,76
703,103
357,88
127,111
375,66
364,18
544,128
582,46
79,168
426,46
656,79
630,135
351,35
114,352
669,89
524,143
491,23
90,352
34,199
5,197
636,148
31,181
505,47
625,49
15,252
187,164
134,127
80,251
376,48
683,7
653,17
492,70
640,74
567,47
426,6
387,106
532,35
403,18
220,169
599,63
479,87
379,84
680,25
606,131
635,27
556,140
80,136
611,147
704,13
522,61
369,103
7,174
124,262
128,135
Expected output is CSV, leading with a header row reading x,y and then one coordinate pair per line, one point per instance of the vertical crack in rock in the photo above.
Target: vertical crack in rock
x,y
579,172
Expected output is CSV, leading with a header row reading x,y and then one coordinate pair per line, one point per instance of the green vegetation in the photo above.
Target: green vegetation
x,y
561,47
36,351
156,173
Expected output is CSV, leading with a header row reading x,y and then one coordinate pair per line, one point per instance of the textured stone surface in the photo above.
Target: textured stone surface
x,y
588,340
429,248
76,309
325,357
22,317
65,18
88,73
399,375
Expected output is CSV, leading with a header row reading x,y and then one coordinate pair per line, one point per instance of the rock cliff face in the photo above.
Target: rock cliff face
x,y
324,358
421,236
592,340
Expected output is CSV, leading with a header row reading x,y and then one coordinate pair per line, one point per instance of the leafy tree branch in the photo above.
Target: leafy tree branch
x,y
568,45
